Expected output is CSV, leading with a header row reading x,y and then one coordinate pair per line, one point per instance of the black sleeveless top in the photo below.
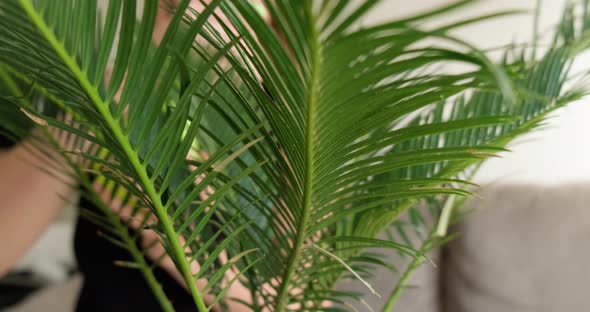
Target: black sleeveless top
x,y
112,288
108,287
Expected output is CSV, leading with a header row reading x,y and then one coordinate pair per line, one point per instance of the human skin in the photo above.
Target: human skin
x,y
30,200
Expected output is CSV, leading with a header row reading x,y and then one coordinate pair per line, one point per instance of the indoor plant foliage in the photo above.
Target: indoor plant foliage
x,y
271,155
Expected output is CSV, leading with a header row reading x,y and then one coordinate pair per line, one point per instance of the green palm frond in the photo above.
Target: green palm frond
x,y
289,147
57,53
542,78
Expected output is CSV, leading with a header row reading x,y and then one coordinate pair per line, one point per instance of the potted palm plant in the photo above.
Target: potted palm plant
x,y
270,156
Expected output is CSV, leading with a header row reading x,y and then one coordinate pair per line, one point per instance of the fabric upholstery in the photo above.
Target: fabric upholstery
x,y
527,249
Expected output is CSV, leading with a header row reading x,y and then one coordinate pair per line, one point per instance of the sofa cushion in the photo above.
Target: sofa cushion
x,y
526,249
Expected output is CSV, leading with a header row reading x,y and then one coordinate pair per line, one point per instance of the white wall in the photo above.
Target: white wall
x,y
561,152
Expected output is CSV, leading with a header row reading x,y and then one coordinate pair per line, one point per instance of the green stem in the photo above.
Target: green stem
x,y
126,146
114,219
405,279
294,258
137,255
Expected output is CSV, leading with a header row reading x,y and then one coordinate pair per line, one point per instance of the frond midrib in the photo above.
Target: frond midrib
x,y
125,143
307,206
120,228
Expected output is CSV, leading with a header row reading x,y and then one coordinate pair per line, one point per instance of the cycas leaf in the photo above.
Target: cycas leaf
x,y
117,231
541,80
59,51
311,116
311,132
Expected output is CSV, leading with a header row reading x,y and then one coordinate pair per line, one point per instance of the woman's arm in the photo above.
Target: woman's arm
x,y
30,200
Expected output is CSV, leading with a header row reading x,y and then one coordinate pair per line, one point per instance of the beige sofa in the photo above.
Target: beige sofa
x,y
526,249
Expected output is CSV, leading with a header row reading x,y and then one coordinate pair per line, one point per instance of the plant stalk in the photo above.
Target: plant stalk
x,y
115,220
132,155
405,279
139,258
283,294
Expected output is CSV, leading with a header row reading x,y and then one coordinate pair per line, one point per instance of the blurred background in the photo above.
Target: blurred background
x,y
524,251
559,153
